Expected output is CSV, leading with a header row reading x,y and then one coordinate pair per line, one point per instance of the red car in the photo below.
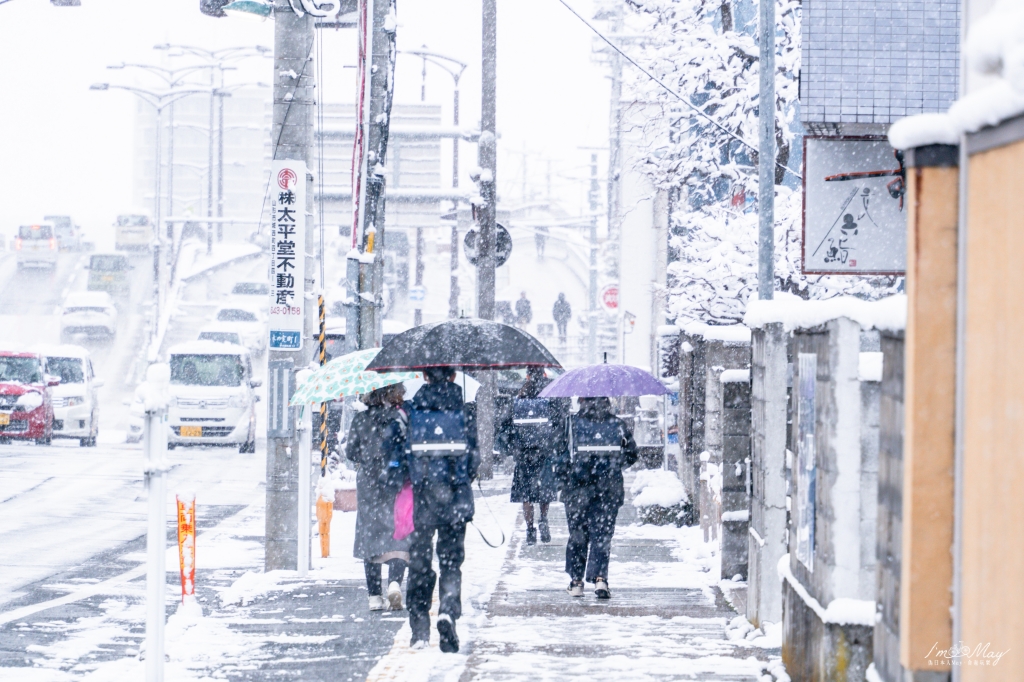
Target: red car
x,y
26,411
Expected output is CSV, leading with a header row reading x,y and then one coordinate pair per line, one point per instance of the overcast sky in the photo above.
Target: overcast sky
x,y
66,149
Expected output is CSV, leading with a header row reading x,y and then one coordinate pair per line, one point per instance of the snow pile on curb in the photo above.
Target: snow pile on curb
x,y
252,585
842,611
793,312
654,487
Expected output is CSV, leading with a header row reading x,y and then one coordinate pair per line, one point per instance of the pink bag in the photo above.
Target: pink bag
x,y
403,513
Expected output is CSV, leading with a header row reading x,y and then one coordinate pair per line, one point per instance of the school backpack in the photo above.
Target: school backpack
x,y
535,426
438,447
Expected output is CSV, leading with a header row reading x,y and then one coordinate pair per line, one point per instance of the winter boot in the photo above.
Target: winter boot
x,y
531,535
395,596
601,589
575,588
446,629
377,603
545,531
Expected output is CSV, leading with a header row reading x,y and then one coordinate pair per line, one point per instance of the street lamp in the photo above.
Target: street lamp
x,y
454,68
159,101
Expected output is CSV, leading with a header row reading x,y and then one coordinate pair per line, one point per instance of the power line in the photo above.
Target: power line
x,y
671,91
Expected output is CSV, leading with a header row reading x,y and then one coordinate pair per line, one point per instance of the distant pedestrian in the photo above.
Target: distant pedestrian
x,y
524,311
593,490
540,239
562,312
377,436
503,311
537,439
441,460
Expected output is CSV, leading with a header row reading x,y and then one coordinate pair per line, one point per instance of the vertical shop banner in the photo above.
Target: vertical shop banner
x,y
287,253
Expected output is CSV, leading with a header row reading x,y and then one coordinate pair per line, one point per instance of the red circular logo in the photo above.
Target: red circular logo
x,y
610,297
287,178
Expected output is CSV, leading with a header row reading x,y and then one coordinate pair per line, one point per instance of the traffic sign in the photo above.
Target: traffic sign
x,y
417,294
610,297
502,246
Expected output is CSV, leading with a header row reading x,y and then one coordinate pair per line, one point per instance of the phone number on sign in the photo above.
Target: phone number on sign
x,y
285,310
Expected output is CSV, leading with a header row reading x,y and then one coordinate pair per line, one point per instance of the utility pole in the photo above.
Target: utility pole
x,y
487,216
376,72
766,154
592,307
291,138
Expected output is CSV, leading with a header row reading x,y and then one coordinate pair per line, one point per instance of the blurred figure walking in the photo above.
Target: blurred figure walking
x,y
538,436
376,437
440,458
562,312
540,239
600,448
524,311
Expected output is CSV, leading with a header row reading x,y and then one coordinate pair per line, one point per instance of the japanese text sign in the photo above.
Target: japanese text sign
x,y
287,249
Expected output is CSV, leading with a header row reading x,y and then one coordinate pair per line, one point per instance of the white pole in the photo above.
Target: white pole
x,y
155,439
305,463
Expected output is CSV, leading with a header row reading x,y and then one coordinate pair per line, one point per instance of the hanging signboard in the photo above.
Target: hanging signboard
x,y
854,215
287,249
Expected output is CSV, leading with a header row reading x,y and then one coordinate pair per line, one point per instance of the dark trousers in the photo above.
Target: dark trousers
x,y
451,552
396,572
591,521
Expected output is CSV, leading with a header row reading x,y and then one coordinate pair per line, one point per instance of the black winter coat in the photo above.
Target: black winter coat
x,y
375,438
534,479
589,478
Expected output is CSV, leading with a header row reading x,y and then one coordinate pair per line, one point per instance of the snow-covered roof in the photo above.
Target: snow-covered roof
x,y
89,299
207,348
735,376
888,314
729,333
994,55
66,350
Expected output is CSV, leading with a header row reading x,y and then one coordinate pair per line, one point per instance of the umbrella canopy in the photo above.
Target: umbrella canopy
x,y
604,381
344,376
469,344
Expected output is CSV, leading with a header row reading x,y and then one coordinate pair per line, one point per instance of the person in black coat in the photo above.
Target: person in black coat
x,y
524,311
537,437
562,312
600,448
441,460
377,436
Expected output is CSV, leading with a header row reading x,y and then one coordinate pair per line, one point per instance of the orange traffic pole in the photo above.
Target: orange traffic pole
x,y
324,512
187,544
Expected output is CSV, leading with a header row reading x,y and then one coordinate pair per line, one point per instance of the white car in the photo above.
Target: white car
x,y
213,401
221,332
75,400
36,245
251,293
248,321
91,313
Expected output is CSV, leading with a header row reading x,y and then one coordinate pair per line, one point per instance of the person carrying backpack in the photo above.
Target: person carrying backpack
x,y
600,447
441,461
537,437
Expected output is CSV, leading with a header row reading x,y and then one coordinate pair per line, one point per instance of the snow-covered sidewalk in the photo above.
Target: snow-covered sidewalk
x,y
668,617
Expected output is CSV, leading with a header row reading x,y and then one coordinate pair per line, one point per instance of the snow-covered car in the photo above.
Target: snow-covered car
x,y
26,409
75,400
110,272
36,245
248,321
212,396
220,332
251,293
91,313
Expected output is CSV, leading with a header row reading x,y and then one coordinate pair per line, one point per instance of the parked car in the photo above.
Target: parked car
x,y
110,272
26,408
76,407
220,332
36,245
69,235
248,322
254,293
213,401
91,313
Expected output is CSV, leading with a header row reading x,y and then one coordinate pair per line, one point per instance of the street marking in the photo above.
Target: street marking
x,y
398,663
85,593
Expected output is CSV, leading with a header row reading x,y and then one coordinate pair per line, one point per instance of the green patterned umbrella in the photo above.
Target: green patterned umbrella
x,y
346,376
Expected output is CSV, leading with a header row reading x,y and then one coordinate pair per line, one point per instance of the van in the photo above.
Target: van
x,y
109,272
36,245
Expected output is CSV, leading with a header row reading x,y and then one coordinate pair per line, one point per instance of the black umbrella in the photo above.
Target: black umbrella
x,y
466,343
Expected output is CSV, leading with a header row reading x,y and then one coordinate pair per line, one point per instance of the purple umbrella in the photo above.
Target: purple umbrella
x,y
604,381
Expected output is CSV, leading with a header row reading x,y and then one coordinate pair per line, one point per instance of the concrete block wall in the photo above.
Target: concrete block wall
x,y
736,480
692,371
767,534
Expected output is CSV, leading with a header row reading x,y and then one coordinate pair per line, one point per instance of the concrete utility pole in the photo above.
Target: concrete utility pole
x,y
592,307
291,138
380,72
766,154
487,216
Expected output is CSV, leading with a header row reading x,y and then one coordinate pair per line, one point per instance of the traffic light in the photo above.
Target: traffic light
x,y
213,8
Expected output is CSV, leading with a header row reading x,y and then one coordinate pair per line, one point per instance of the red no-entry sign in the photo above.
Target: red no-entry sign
x,y
610,297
